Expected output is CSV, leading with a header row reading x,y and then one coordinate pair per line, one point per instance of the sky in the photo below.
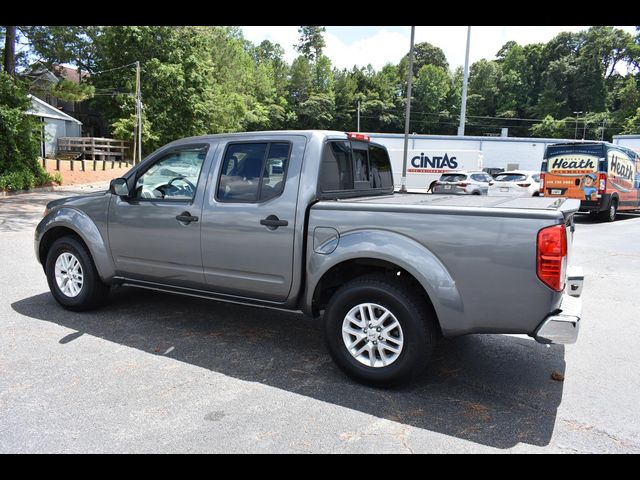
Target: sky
x,y
349,46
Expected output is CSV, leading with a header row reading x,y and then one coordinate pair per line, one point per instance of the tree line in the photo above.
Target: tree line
x,y
198,80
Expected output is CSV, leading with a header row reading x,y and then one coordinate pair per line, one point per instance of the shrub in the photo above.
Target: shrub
x,y
25,179
19,139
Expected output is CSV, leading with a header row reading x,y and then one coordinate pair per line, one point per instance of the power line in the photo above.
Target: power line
x,y
113,69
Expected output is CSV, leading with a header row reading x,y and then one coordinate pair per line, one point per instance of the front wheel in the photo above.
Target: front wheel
x,y
378,331
72,276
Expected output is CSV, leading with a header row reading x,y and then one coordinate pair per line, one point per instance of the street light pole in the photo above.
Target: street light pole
x,y
403,182
358,115
465,81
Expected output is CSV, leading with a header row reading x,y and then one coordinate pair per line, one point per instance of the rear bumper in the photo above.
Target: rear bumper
x,y
563,325
596,206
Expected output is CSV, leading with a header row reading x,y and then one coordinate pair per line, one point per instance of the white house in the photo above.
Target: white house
x,y
57,124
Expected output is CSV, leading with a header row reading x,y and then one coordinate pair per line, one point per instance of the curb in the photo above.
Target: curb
x,y
50,188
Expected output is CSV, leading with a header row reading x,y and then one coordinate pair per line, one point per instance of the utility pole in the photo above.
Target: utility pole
x,y
403,182
465,81
575,135
139,111
358,115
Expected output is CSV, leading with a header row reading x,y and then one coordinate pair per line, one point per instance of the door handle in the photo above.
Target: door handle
x,y
186,217
272,222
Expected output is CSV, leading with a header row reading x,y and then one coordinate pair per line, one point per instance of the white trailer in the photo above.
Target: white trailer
x,y
470,152
629,141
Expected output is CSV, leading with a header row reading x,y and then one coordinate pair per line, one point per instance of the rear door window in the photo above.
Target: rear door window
x,y
253,172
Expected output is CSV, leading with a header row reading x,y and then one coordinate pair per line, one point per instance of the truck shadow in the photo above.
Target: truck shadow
x,y
491,389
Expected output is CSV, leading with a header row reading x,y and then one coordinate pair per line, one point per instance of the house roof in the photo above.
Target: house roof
x,y
57,72
40,108
69,73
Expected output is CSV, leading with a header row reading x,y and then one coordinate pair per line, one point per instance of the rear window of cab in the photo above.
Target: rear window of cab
x,y
354,168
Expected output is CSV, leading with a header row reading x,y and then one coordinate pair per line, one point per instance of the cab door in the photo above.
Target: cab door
x,y
154,234
249,217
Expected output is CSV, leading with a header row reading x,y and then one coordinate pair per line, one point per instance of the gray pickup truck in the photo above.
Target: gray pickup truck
x,y
307,220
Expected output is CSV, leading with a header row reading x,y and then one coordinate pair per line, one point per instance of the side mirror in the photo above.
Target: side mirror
x,y
119,187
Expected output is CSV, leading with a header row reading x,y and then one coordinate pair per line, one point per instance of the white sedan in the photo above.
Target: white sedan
x,y
516,183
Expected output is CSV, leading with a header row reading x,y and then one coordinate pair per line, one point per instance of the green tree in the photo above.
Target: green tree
x,y
9,51
195,80
550,128
311,42
19,138
483,88
610,45
432,90
632,124
424,54
301,80
64,44
346,98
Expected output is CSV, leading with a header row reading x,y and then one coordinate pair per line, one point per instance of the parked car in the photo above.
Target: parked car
x,y
516,183
463,183
387,273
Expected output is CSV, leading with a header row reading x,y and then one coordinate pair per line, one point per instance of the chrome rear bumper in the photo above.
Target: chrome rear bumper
x,y
563,327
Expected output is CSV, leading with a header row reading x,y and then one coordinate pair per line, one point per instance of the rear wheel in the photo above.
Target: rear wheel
x,y
72,276
379,331
609,215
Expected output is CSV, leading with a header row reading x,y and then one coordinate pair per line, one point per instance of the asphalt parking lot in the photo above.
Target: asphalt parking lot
x,y
151,372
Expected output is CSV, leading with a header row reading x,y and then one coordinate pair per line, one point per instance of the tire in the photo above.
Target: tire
x,y
609,215
76,295
418,330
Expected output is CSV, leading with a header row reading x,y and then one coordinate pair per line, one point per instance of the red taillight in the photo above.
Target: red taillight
x,y
462,184
358,136
542,175
525,185
602,183
552,256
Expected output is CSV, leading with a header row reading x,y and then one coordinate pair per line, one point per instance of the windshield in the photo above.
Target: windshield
x,y
510,177
450,177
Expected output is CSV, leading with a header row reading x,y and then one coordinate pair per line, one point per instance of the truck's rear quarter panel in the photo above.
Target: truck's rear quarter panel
x,y
490,253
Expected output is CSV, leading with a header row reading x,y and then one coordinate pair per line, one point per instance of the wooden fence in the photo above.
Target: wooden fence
x,y
93,149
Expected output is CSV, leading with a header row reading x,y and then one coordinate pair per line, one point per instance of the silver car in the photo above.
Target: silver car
x,y
464,183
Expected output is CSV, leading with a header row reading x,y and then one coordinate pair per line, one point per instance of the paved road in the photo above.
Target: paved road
x,y
161,373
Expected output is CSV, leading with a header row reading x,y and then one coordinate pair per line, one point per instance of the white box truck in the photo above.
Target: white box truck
x,y
425,164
